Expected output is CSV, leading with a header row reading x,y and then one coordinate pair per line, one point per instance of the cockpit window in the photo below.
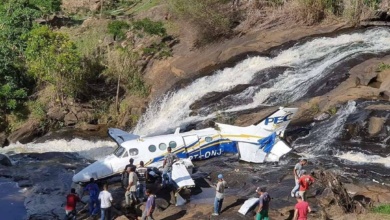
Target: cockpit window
x,y
162,146
152,148
133,151
119,151
125,155
172,144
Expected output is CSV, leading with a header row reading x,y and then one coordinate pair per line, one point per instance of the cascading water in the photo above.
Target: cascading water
x,y
306,64
320,139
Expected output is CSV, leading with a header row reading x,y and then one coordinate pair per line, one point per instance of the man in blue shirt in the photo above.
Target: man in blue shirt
x,y
147,214
93,190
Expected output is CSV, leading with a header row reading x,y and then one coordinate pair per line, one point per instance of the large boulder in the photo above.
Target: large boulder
x,y
5,161
70,119
375,125
26,133
56,113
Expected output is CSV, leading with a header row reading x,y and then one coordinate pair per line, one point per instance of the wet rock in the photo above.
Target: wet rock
x,y
375,125
26,133
25,183
5,161
322,117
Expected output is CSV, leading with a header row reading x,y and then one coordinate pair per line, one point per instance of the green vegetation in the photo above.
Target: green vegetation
x,y
47,7
150,27
53,59
332,110
383,209
122,68
382,66
160,50
116,28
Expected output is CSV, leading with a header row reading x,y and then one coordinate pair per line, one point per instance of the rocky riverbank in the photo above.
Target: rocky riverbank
x,y
46,179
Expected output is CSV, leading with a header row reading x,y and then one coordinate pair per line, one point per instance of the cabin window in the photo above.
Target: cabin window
x,y
119,151
152,148
125,155
133,152
172,144
208,139
162,146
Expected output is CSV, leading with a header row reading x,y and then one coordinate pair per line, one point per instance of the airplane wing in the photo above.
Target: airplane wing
x,y
180,173
120,136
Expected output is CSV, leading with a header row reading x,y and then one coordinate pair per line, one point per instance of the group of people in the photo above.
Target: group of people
x,y
302,183
134,181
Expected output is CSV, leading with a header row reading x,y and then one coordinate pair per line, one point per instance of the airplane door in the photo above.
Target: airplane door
x,y
191,143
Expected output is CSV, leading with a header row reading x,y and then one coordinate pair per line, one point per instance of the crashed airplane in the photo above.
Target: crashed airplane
x,y
255,143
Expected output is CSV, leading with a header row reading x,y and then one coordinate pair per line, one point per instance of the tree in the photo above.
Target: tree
x,y
16,19
52,58
122,67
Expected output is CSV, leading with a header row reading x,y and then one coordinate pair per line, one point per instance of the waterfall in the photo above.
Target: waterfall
x,y
306,64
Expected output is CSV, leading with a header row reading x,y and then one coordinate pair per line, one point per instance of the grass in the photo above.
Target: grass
x,y
382,209
89,38
382,66
143,6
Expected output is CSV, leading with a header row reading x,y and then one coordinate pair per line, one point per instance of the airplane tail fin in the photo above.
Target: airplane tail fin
x,y
278,121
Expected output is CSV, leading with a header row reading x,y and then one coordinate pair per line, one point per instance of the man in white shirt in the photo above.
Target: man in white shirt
x,y
219,196
130,194
105,203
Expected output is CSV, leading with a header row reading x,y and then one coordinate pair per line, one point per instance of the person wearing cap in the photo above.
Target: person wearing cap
x,y
297,174
264,200
301,209
304,183
219,196
169,159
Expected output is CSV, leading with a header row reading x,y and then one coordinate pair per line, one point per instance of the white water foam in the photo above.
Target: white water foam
x,y
325,133
308,63
361,158
87,149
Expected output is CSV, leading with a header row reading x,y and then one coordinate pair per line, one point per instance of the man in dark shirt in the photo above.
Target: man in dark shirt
x,y
125,173
142,173
264,200
71,201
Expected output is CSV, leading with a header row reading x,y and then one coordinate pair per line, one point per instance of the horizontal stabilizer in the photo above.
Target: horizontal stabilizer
x,y
120,136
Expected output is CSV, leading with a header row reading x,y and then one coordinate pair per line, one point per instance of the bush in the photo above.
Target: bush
x,y
211,17
382,66
384,209
116,28
150,27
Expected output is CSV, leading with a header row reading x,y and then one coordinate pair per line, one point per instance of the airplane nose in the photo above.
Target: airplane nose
x,y
97,170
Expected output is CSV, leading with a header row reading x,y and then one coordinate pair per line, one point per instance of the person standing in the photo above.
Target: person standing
x,y
71,201
147,214
131,188
304,183
125,174
297,174
219,196
264,200
105,198
93,190
142,172
301,209
169,159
